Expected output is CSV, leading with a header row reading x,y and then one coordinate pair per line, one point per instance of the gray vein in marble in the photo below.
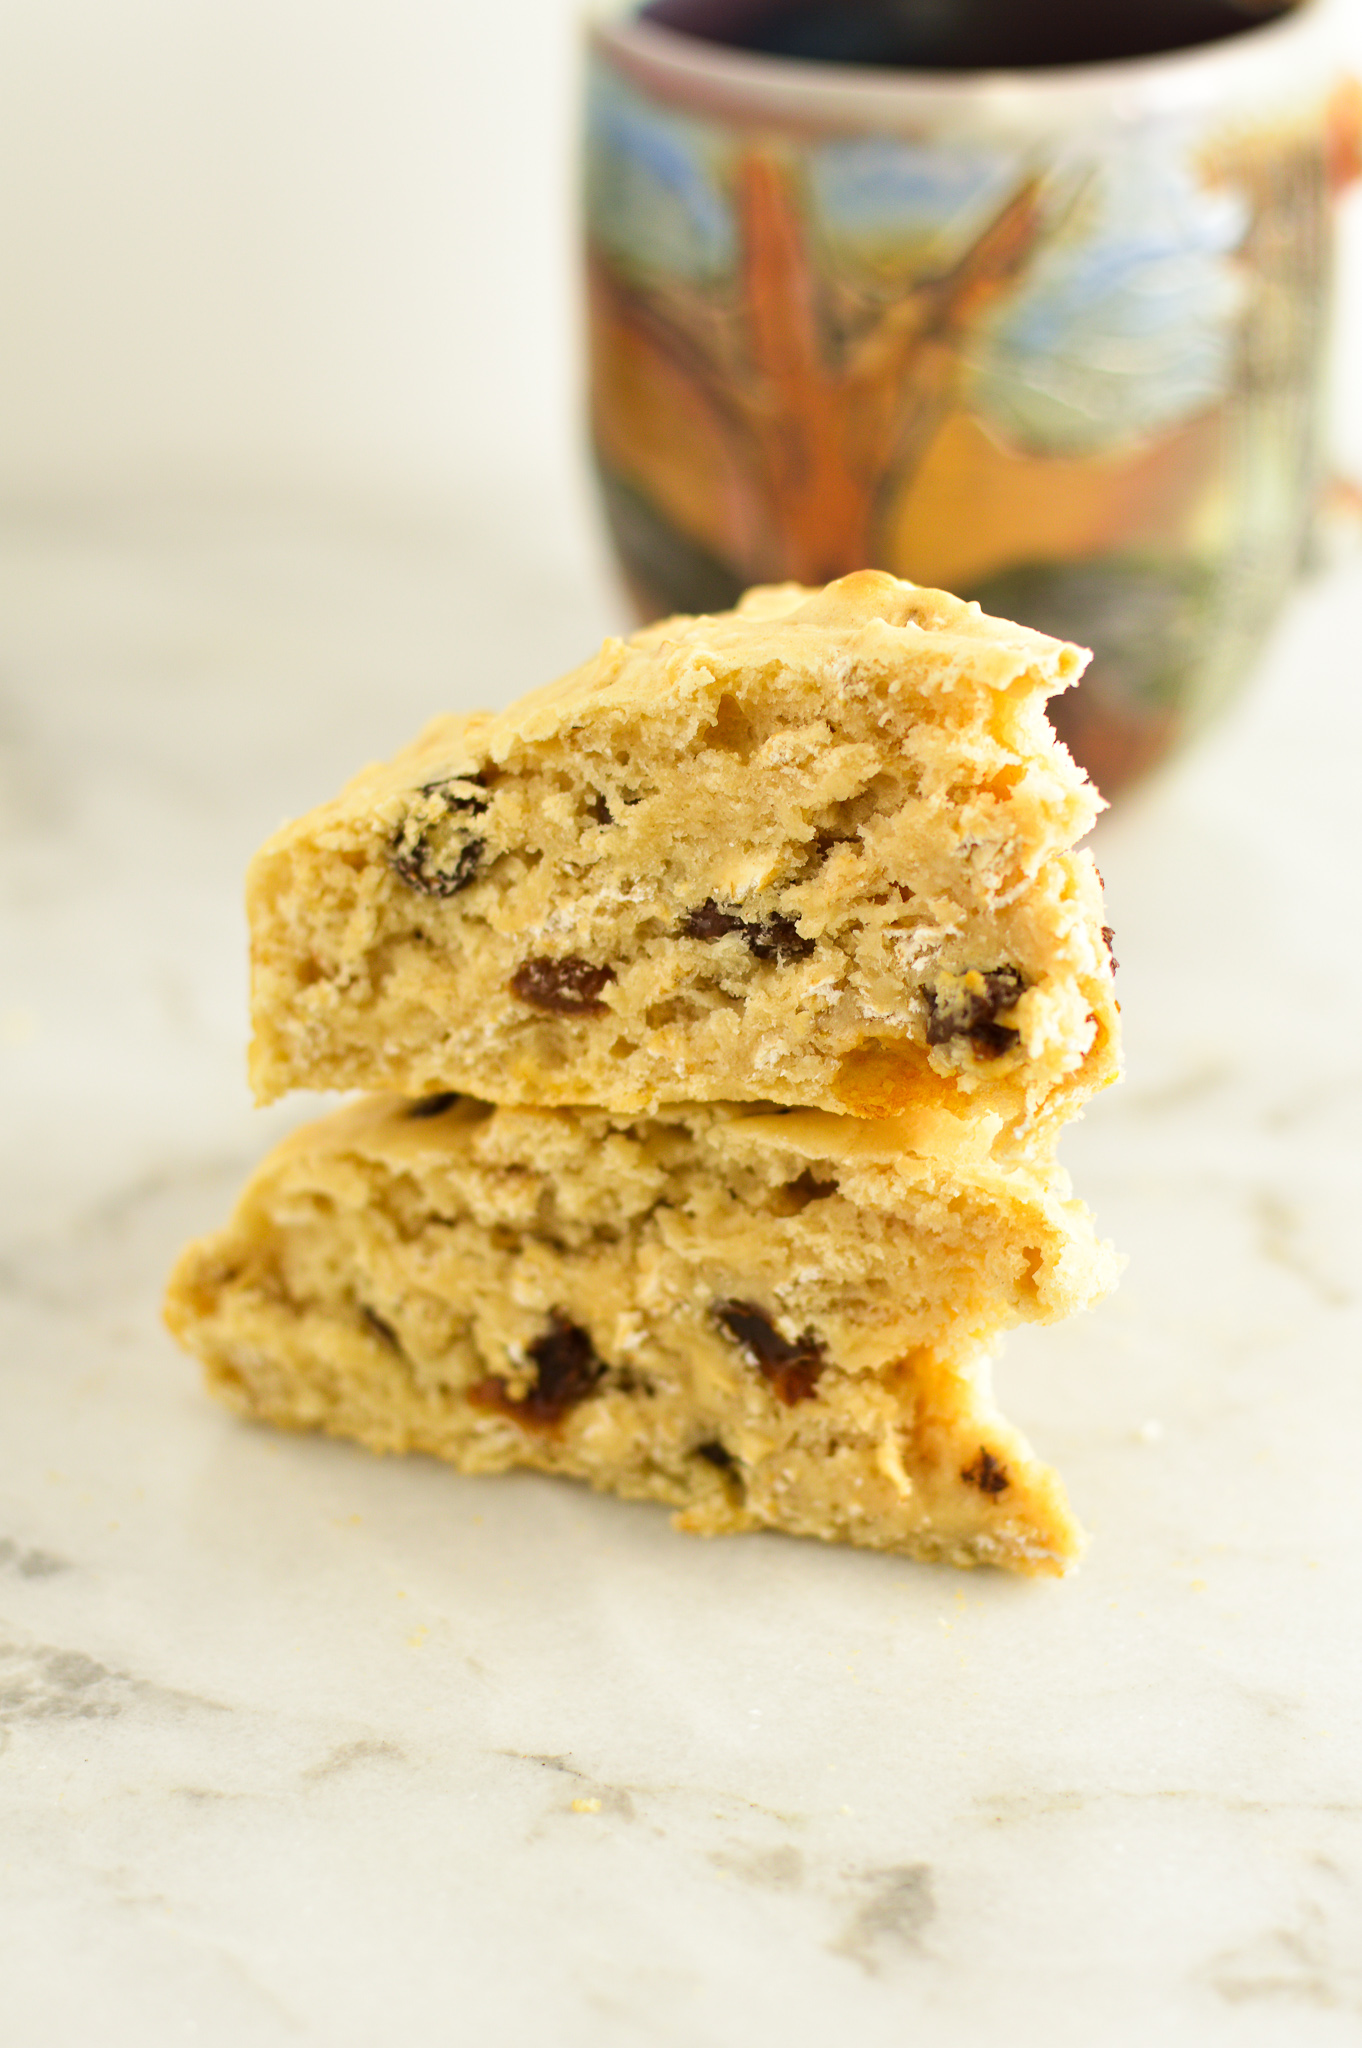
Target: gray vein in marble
x,y
1283,1239
1319,1100
880,1912
1314,1959
697,1793
41,1682
890,1921
782,1869
30,1563
349,1756
1005,1809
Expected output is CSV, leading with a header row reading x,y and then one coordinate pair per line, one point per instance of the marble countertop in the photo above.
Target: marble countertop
x,y
300,1746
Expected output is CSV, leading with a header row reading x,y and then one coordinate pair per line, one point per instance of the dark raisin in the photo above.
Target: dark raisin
x,y
714,1454
431,853
1109,941
566,1370
600,810
707,921
796,1195
433,1105
791,1369
991,1041
988,1473
768,938
378,1327
569,988
964,1012
778,938
566,1367
447,874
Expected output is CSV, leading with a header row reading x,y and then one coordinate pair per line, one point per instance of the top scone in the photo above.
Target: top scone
x,y
813,851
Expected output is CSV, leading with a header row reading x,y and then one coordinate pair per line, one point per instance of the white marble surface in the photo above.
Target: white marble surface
x,y
304,1747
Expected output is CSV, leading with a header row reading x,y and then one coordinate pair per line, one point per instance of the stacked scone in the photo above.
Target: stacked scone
x,y
727,998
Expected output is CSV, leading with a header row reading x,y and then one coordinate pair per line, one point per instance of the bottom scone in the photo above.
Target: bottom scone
x,y
768,1319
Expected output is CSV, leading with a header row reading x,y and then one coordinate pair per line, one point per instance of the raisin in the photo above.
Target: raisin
x,y
714,1454
791,1369
569,988
599,809
795,1196
566,1367
988,1473
991,1041
709,922
566,1370
433,1105
433,855
769,938
778,938
1109,941
965,1012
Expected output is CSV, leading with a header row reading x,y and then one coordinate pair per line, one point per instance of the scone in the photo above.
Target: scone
x,y
765,1318
814,851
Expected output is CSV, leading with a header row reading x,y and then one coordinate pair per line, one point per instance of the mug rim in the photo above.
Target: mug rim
x,y
797,85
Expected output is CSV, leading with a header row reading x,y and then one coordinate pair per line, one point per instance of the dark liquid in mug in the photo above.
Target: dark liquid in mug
x,y
963,35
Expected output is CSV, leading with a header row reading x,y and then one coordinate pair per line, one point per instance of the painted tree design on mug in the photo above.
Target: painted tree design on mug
x,y
821,402
821,397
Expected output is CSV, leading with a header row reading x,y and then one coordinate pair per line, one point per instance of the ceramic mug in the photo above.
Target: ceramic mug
x,y
1050,337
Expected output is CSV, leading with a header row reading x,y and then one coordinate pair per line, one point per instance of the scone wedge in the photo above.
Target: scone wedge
x,y
764,1318
816,851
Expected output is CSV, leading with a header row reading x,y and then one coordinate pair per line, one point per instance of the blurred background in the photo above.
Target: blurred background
x,y
314,243
317,241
